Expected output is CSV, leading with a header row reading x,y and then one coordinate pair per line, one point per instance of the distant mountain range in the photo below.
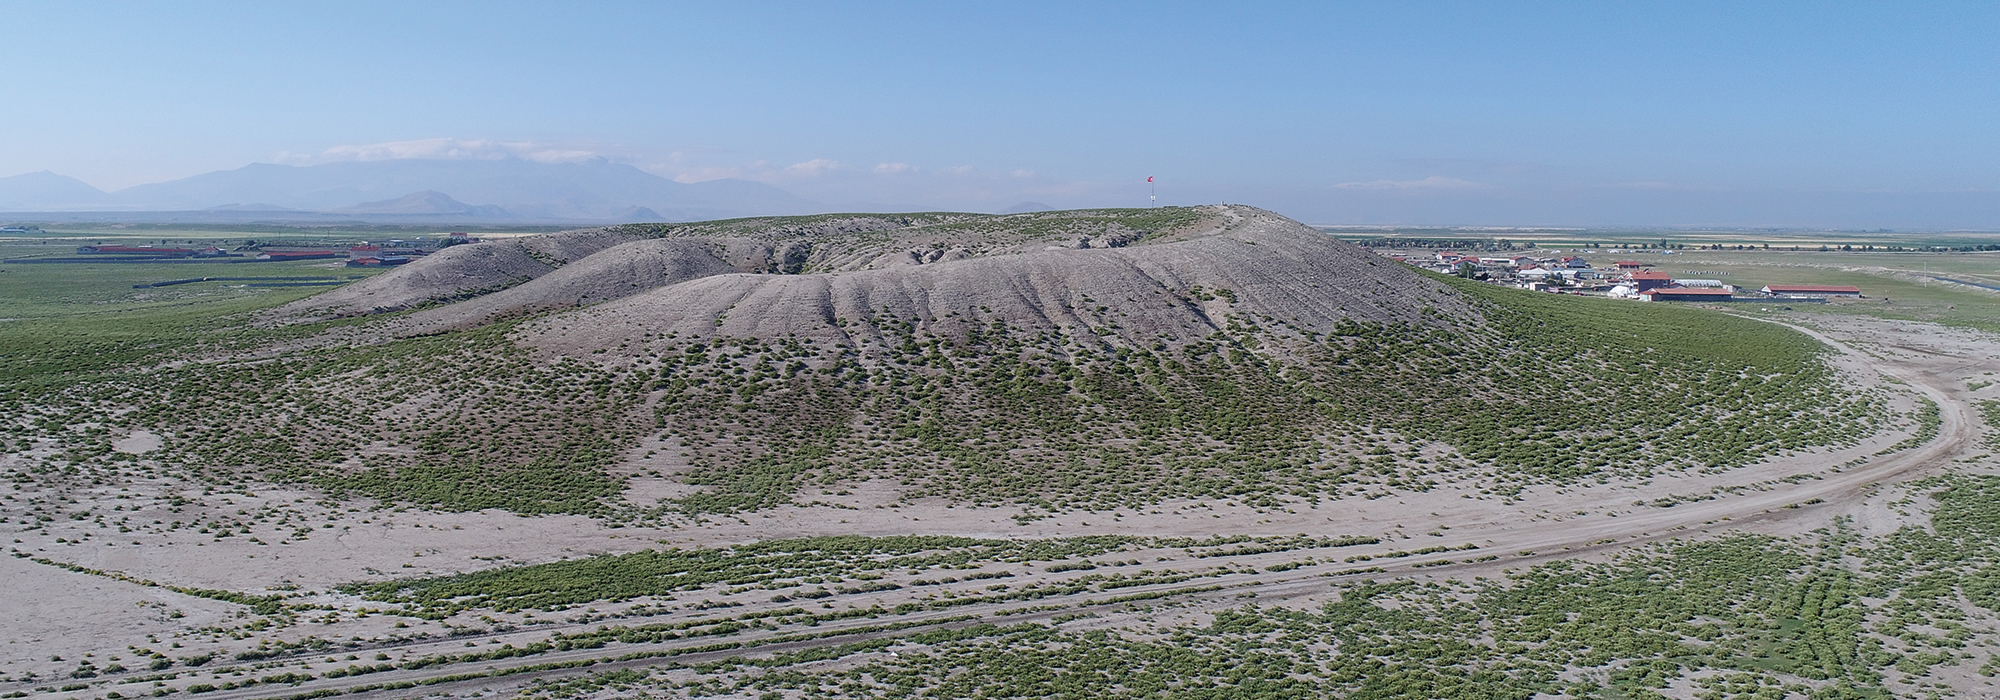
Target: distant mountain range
x,y
458,190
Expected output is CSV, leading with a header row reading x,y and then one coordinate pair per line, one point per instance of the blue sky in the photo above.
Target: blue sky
x,y
1826,114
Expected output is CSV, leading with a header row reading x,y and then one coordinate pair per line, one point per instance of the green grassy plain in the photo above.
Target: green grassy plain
x,y
1637,238
1894,285
218,234
64,322
1897,284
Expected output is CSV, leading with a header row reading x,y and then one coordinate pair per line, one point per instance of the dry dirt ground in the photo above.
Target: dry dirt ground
x,y
54,617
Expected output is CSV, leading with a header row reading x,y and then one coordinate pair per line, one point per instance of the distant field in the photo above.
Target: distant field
x,y
30,291
60,321
1898,284
1895,285
1689,238
56,240
262,231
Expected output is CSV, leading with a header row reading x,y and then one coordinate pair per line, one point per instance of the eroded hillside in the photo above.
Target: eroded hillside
x,y
1053,361
1059,270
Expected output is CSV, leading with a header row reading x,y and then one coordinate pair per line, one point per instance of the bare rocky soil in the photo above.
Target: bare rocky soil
x,y
58,613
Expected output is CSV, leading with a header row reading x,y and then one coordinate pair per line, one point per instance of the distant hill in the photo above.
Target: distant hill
x,y
594,190
640,214
46,191
248,207
426,202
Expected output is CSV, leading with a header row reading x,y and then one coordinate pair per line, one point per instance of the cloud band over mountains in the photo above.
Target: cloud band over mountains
x,y
444,149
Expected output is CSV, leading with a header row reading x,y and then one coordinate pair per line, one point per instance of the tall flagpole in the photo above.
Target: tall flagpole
x,y
1153,192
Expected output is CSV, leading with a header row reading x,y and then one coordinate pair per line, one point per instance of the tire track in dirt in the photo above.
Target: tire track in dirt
x,y
1846,489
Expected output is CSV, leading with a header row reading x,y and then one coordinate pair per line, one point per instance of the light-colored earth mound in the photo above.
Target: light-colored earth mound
x,y
778,245
456,272
1259,268
612,273
830,278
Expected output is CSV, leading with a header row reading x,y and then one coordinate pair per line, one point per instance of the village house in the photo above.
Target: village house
x,y
1648,279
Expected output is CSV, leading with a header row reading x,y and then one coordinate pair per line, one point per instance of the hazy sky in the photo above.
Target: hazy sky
x,y
1392,112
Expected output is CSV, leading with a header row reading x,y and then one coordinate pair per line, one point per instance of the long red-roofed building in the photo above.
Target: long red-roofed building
x,y
299,254
1811,290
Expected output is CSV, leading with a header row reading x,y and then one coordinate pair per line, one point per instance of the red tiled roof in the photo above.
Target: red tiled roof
x,y
1651,275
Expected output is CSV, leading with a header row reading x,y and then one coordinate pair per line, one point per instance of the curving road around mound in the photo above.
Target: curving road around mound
x,y
1834,491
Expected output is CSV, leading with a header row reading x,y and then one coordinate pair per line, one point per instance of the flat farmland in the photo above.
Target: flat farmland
x,y
1894,285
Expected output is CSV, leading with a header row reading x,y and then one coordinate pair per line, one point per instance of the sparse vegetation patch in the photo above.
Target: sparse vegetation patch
x,y
1831,615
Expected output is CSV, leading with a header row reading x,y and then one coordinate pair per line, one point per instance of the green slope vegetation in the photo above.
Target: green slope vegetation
x,y
1553,390
1262,412
1991,411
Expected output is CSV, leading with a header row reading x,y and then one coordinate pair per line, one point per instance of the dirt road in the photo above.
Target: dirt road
x,y
1932,373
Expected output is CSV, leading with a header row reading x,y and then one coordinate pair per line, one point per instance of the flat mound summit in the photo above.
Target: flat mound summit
x,y
1175,275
